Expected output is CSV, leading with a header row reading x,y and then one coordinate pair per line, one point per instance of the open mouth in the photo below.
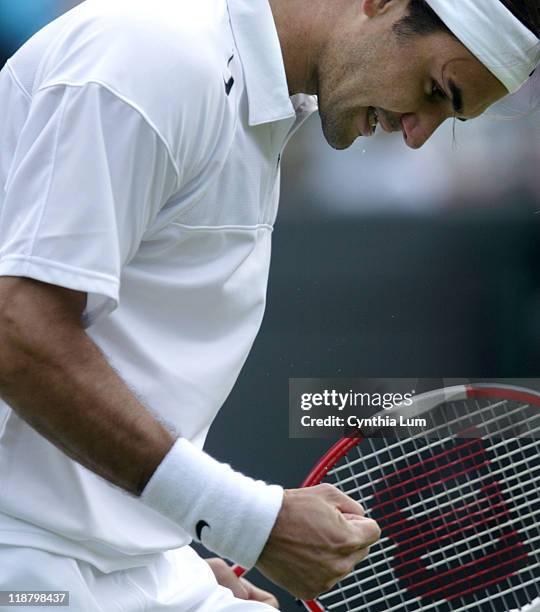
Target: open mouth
x,y
373,118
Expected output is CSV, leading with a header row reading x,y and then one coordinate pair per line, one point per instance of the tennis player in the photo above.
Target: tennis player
x,y
140,161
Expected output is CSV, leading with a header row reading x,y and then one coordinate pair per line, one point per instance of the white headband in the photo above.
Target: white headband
x,y
494,35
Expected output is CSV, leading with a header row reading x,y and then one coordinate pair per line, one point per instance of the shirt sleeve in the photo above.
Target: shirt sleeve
x,y
90,174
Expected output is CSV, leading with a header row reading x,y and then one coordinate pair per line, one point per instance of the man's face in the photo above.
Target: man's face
x,y
367,73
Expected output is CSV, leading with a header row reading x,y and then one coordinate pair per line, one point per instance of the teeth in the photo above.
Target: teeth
x,y
373,118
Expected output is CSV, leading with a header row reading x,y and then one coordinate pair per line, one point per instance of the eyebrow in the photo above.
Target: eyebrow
x,y
457,97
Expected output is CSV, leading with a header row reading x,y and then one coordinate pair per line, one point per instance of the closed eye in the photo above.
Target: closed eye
x,y
438,92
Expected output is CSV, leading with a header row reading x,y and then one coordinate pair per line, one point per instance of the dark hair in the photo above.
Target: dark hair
x,y
422,19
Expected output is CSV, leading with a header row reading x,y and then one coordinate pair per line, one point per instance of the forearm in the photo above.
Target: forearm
x,y
55,377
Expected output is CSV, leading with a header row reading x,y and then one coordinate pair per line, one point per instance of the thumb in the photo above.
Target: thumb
x,y
366,530
347,505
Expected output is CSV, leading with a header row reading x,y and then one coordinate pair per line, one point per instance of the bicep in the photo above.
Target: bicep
x,y
25,299
36,320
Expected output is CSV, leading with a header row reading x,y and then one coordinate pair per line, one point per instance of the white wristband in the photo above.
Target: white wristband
x,y
231,514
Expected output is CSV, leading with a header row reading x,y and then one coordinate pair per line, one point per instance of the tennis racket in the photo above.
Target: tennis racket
x,y
457,502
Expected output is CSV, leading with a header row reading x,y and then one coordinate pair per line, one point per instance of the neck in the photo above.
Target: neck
x,y
298,27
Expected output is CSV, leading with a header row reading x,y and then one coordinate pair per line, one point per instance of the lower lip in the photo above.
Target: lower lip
x,y
388,126
382,120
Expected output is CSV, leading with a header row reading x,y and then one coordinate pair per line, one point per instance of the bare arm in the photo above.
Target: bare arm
x,y
55,377
58,381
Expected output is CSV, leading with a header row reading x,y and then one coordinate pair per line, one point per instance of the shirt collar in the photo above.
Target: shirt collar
x,y
257,42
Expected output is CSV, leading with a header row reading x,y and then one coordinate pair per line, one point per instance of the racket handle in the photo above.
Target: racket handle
x,y
239,570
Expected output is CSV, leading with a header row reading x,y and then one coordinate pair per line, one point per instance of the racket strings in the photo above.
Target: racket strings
x,y
491,531
434,431
356,491
522,425
468,540
490,600
458,556
464,551
459,488
369,473
474,499
424,433
440,551
456,492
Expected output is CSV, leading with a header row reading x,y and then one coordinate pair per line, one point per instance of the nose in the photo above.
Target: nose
x,y
418,127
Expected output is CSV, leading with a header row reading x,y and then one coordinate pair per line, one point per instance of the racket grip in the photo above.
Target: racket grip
x,y
239,570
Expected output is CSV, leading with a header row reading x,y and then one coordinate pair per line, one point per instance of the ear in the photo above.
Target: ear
x,y
372,8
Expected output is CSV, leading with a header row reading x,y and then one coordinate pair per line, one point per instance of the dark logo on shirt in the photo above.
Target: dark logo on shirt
x,y
199,527
229,83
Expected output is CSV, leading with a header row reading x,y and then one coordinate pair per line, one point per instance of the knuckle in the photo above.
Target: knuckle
x,y
333,573
362,554
345,542
326,488
373,530
342,568
361,507
349,537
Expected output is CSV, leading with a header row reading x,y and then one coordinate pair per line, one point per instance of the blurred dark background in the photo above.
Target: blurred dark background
x,y
386,263
450,295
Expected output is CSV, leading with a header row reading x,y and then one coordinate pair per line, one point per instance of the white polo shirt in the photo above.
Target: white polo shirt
x,y
140,155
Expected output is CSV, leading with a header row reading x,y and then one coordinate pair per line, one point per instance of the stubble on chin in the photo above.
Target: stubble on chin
x,y
337,129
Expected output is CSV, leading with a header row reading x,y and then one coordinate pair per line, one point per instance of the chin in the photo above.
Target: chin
x,y
338,134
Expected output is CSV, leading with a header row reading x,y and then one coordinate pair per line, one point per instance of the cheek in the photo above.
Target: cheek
x,y
349,71
405,80
405,93
344,89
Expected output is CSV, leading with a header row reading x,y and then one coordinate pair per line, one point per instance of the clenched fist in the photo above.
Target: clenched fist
x,y
319,536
